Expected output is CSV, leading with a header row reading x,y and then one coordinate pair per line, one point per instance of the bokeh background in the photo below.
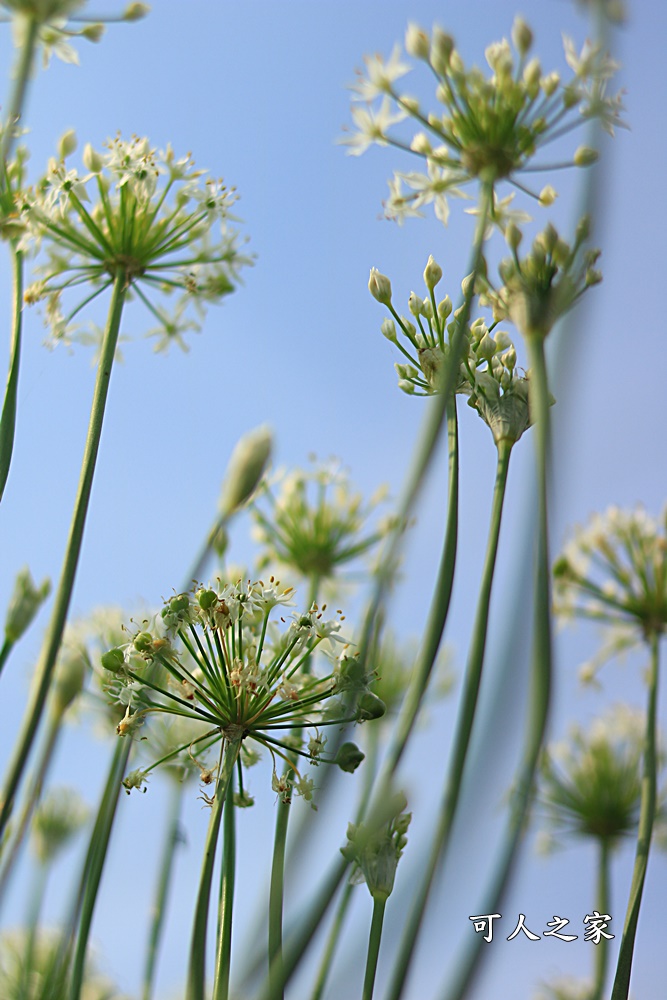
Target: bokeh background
x,y
257,91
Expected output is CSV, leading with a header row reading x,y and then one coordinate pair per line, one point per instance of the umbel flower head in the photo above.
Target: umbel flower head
x,y
485,128
591,783
315,523
487,371
59,21
539,289
156,221
614,571
221,661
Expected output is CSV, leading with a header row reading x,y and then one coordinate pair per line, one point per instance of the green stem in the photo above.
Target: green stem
x,y
647,811
17,96
602,903
7,647
8,419
462,733
276,894
158,913
227,882
32,798
196,988
369,769
94,864
539,695
438,611
64,593
373,947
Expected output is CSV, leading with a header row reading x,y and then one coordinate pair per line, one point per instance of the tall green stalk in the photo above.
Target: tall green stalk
x,y
18,92
539,695
462,733
196,987
276,896
94,864
172,838
373,954
647,811
227,882
8,418
602,902
64,593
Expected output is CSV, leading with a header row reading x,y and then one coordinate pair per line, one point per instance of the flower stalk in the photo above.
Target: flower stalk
x,y
8,418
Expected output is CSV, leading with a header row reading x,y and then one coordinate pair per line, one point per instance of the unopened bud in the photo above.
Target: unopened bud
x,y
93,32
67,144
91,160
513,236
442,46
549,84
24,604
135,11
70,676
432,274
445,308
417,42
547,196
388,329
415,304
522,36
532,74
246,468
585,156
379,286
349,757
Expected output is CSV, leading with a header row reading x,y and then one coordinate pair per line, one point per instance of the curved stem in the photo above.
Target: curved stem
x,y
196,988
602,902
8,419
64,593
647,811
438,611
227,881
276,894
17,96
158,912
31,800
91,875
462,733
373,947
539,696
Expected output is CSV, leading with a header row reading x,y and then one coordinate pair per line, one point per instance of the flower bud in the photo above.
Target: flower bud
x,y
445,308
532,74
406,387
547,196
486,347
246,468
432,274
442,46
379,286
93,32
67,144
136,11
417,42
24,605
415,304
69,678
388,329
522,36
91,159
421,144
585,156
349,757
549,84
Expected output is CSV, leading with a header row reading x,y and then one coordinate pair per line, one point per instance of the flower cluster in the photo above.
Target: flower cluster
x,y
376,847
315,523
591,783
144,216
215,657
485,128
537,290
614,571
58,22
487,370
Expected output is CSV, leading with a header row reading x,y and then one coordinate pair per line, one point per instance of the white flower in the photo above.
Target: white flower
x,y
502,214
372,125
380,76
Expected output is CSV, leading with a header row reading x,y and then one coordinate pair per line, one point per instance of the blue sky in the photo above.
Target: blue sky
x,y
257,92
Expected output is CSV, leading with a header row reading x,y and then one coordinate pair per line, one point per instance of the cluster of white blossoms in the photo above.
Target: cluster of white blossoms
x,y
485,128
215,657
614,571
153,220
